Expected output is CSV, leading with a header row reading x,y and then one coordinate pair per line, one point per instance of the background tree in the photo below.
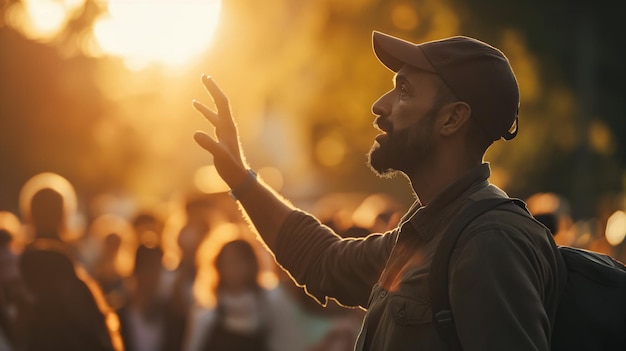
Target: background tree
x,y
302,78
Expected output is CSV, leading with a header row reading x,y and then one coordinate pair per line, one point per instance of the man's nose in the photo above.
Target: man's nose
x,y
382,107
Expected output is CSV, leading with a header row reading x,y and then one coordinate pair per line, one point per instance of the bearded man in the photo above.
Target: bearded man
x,y
452,98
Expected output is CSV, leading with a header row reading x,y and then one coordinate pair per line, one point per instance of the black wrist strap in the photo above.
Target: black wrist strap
x,y
244,186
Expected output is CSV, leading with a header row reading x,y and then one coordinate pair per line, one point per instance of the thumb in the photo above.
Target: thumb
x,y
205,141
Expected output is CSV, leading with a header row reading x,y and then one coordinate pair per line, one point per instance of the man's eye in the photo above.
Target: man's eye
x,y
403,89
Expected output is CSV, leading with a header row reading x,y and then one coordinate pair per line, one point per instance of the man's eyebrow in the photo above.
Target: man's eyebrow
x,y
400,78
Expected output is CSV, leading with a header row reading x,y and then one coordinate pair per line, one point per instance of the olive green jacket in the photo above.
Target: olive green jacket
x,y
505,274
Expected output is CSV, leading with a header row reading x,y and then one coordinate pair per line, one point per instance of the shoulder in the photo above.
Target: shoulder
x,y
509,222
501,235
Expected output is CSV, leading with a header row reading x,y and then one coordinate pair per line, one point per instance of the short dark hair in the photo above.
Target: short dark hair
x,y
244,249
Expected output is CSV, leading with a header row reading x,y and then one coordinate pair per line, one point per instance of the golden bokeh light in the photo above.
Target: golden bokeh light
x,y
52,181
543,203
11,223
368,211
208,181
404,17
616,228
331,150
42,19
111,224
284,74
600,137
172,227
170,32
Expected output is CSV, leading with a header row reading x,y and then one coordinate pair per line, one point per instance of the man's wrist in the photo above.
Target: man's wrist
x,y
245,185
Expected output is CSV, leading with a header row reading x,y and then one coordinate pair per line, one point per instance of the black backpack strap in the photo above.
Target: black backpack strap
x,y
438,278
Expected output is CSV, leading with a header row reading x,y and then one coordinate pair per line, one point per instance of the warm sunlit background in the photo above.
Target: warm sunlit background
x,y
100,92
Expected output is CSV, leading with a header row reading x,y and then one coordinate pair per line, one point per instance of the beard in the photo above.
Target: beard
x,y
403,151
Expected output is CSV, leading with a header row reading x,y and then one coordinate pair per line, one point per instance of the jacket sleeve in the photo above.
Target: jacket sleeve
x,y
499,279
327,265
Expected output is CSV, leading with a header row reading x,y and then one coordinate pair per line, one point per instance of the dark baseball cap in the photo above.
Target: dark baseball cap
x,y
476,72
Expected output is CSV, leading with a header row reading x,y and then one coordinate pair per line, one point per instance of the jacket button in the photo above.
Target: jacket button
x,y
383,293
401,314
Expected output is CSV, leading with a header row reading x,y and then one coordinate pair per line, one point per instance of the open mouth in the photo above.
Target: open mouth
x,y
380,138
383,125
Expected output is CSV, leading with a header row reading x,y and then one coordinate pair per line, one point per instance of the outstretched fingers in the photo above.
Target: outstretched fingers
x,y
220,99
224,146
222,120
206,112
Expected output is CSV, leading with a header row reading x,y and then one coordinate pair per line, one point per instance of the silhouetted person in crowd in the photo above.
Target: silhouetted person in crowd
x,y
452,98
148,228
11,292
47,214
66,311
247,317
65,307
105,271
180,281
143,317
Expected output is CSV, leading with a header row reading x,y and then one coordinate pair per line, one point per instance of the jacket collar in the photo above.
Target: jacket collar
x,y
424,219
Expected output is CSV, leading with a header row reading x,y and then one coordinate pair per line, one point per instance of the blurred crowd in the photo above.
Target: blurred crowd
x,y
188,276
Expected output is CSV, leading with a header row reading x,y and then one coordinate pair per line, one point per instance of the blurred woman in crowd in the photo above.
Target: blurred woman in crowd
x,y
246,316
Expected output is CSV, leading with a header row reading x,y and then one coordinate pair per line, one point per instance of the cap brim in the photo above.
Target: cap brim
x,y
395,53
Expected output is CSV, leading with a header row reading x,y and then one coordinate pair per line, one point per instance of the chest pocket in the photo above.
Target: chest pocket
x,y
403,318
410,326
410,305
407,311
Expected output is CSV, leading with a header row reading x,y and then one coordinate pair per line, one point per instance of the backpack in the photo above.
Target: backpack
x,y
592,309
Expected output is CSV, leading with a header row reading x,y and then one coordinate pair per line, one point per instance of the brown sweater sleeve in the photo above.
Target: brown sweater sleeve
x,y
328,265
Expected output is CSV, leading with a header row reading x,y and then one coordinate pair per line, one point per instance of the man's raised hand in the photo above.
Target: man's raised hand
x,y
225,147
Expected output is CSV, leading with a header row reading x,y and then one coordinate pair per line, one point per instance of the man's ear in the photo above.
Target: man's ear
x,y
454,115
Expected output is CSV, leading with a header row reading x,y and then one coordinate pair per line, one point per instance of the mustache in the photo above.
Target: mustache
x,y
383,124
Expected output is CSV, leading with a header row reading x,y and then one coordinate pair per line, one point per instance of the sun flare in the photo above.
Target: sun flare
x,y
41,19
165,31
